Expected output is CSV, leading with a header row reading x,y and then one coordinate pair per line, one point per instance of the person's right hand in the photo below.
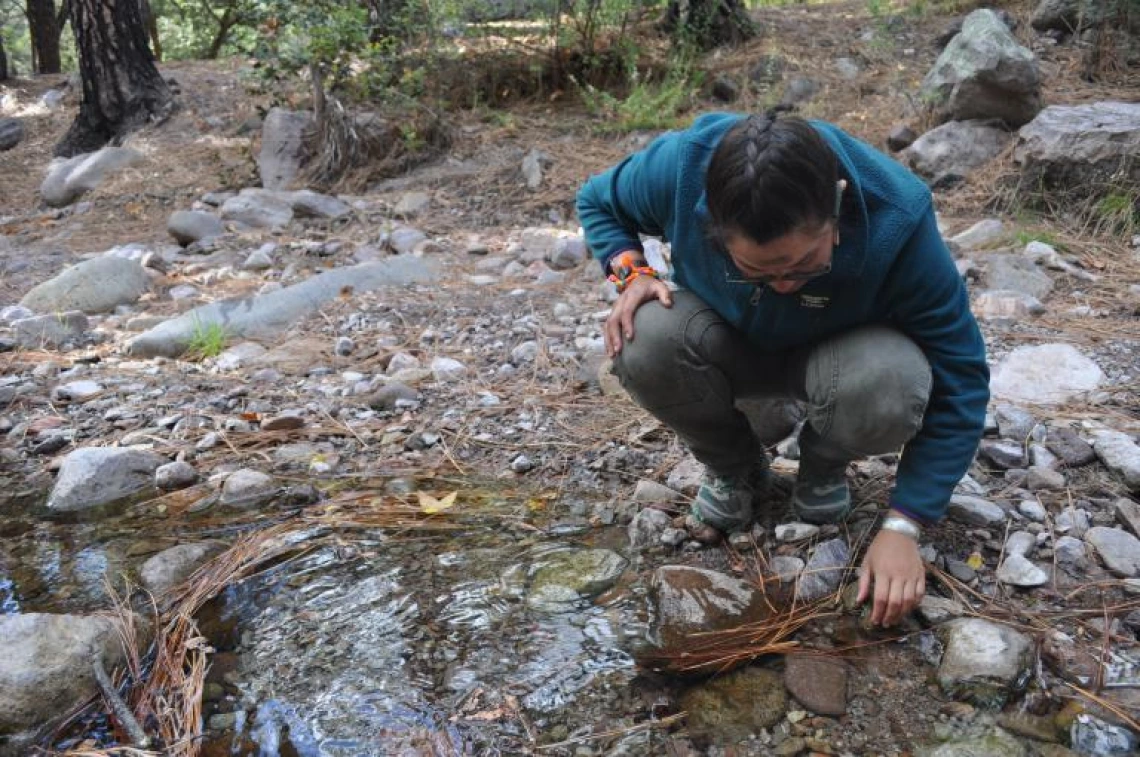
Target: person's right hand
x,y
619,325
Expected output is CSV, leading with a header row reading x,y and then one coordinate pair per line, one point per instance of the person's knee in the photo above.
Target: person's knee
x,y
660,336
871,390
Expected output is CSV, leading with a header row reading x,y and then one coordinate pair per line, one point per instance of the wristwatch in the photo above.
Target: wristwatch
x,y
902,525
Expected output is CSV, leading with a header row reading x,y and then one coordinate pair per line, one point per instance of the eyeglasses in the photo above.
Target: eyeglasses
x,y
734,278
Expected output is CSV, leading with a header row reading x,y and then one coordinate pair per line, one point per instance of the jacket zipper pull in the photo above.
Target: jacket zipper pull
x,y
757,293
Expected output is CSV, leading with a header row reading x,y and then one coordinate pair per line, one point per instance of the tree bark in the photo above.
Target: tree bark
x,y
44,30
3,62
122,89
227,22
709,23
150,22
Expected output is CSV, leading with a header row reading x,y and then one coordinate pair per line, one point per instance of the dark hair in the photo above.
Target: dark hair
x,y
770,176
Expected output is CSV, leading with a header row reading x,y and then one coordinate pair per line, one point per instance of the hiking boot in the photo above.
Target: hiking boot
x,y
821,494
725,502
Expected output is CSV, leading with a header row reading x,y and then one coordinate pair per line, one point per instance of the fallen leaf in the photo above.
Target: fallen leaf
x,y
975,560
431,505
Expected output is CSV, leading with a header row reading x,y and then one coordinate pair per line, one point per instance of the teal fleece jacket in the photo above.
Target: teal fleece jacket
x,y
891,267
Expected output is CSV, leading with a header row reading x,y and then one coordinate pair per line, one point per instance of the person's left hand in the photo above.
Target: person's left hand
x,y
893,565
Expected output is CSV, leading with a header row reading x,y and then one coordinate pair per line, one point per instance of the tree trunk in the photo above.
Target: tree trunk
x,y
122,89
709,23
45,36
3,62
150,23
227,22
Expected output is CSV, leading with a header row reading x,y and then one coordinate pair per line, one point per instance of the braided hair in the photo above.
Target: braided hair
x,y
769,176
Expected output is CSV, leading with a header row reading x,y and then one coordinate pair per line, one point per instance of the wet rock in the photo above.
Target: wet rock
x,y
68,179
690,600
984,73
983,662
974,511
955,149
171,567
1018,570
1042,479
247,489
788,532
95,476
189,226
445,369
1067,444
11,132
267,315
981,234
1004,455
1119,454
46,668
646,528
824,570
1094,737
818,683
93,286
732,708
1118,550
562,578
282,147
1045,374
937,610
998,743
176,475
258,209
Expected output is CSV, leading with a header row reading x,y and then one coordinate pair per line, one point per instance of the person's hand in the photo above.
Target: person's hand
x,y
619,325
893,565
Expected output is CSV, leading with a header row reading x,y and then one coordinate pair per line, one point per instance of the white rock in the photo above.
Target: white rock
x,y
1018,570
982,661
788,532
247,489
445,369
78,391
1020,543
1033,510
647,526
1118,550
177,475
403,361
786,567
979,235
1045,374
975,511
1120,455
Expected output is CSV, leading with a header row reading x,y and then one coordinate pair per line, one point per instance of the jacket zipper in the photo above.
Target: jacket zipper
x,y
757,293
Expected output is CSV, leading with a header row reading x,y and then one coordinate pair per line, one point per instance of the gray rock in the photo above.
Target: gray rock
x,y
1020,543
13,313
1002,454
404,239
1128,513
239,356
1067,444
93,286
1045,374
1018,570
675,537
984,73
798,90
1088,146
1033,510
786,567
260,259
938,610
817,683
559,580
1070,552
386,397
975,511
651,492
725,89
981,234
171,567
11,132
795,531
50,331
689,600
259,209
960,570
524,353
686,476
247,489
189,226
1072,520
344,346
1014,422
77,391
445,369
824,570
956,149
997,743
1096,738
983,662
522,464
309,204
177,475
282,147
67,180
266,316
1068,16
1006,307
411,204
900,138
1044,480
1041,457
46,668
1016,273
96,476
532,165
1119,454
568,252
647,526
1118,550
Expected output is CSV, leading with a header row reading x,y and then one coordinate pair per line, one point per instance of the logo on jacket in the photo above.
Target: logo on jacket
x,y
814,301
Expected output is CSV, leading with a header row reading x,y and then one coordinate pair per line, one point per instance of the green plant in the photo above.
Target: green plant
x,y
1025,236
1117,213
207,340
647,104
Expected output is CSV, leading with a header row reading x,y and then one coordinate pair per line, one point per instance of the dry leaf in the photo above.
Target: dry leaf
x,y
431,505
975,560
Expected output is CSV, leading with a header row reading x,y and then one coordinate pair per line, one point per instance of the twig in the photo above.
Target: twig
x,y
122,713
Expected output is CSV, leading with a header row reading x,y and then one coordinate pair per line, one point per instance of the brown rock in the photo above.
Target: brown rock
x,y
691,600
731,708
818,683
283,423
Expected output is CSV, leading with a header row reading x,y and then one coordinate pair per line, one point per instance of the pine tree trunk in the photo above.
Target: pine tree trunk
x,y
122,89
3,62
44,30
709,23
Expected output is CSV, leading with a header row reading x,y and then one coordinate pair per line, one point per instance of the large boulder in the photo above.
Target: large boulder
x,y
1044,374
282,147
1089,145
47,669
68,179
984,73
1070,15
93,286
954,149
95,476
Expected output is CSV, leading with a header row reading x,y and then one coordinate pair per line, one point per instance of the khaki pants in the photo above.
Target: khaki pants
x,y
864,391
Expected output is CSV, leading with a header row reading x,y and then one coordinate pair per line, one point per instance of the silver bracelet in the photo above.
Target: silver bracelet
x,y
902,525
